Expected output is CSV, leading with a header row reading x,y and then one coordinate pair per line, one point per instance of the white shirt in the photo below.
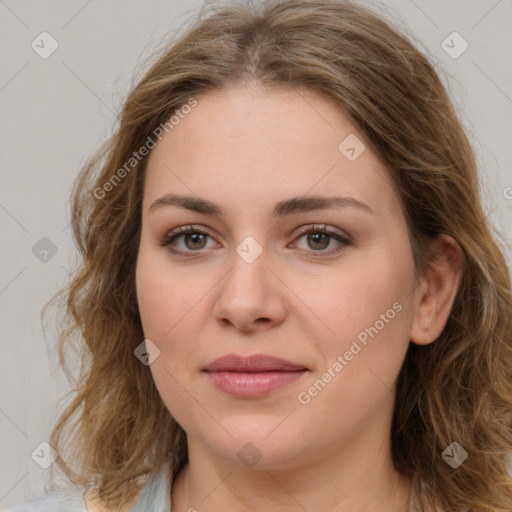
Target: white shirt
x,y
155,496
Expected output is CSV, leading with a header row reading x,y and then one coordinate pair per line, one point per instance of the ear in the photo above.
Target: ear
x,y
436,293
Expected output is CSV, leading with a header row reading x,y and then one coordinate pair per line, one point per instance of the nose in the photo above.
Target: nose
x,y
250,297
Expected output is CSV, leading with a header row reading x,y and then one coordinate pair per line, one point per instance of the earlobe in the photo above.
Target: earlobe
x,y
437,291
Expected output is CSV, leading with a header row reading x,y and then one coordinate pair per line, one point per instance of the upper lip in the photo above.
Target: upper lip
x,y
254,363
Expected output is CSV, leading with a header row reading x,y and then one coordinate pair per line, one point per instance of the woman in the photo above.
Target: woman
x,y
291,298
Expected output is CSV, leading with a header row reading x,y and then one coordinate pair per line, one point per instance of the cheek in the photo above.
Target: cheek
x,y
361,361
174,391
368,314
164,293
350,302
172,314
163,311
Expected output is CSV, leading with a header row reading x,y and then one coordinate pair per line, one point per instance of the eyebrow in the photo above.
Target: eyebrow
x,y
281,209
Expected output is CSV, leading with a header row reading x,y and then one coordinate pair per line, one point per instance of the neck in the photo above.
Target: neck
x,y
359,479
273,490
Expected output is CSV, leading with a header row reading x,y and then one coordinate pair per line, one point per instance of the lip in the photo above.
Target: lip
x,y
252,364
254,376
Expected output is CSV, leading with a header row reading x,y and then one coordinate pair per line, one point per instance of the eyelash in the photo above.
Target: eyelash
x,y
317,228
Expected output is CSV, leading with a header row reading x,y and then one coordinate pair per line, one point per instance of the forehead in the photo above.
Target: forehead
x,y
244,148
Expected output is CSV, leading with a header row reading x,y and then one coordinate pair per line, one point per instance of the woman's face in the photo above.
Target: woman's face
x,y
339,306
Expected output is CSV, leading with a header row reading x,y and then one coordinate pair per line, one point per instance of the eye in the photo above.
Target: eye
x,y
194,239
319,237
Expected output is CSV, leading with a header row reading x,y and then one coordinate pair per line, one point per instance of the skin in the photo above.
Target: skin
x,y
245,149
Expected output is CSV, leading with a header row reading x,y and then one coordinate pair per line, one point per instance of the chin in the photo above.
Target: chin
x,y
258,444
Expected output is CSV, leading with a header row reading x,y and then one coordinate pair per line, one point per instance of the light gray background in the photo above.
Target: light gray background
x,y
56,112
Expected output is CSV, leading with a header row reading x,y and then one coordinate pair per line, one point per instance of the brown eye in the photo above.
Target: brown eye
x,y
197,240
318,239
194,239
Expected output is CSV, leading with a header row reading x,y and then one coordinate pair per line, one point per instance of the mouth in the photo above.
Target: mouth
x,y
254,376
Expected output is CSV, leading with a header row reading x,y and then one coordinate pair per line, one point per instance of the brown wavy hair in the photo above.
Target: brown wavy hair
x,y
116,430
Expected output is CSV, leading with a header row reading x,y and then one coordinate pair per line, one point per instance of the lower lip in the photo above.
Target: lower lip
x,y
252,385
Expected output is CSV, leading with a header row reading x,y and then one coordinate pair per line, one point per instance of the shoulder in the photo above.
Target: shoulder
x,y
64,500
155,496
